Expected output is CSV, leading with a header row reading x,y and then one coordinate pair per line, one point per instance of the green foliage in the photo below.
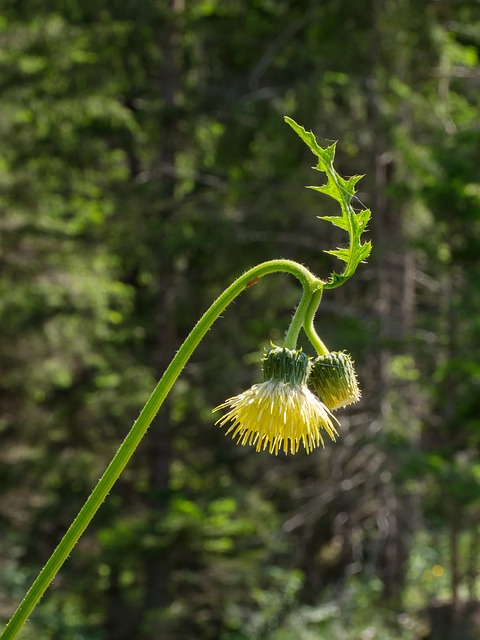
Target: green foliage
x,y
343,191
128,203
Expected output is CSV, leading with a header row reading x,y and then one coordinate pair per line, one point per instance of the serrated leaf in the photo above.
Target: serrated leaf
x,y
329,151
351,182
365,250
326,155
338,221
342,190
341,254
363,217
328,190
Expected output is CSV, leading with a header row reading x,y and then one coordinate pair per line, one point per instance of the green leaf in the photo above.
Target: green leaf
x,y
343,191
341,254
336,220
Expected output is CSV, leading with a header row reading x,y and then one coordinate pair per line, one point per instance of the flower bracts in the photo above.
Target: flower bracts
x,y
334,379
281,412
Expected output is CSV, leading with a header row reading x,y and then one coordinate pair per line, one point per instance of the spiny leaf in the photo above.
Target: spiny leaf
x,y
363,217
336,220
364,250
341,254
342,190
328,190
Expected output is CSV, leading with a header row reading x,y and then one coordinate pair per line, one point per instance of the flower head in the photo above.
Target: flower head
x,y
334,379
281,412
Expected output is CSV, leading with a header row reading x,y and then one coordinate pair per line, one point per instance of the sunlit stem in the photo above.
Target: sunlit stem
x,y
308,325
310,285
291,336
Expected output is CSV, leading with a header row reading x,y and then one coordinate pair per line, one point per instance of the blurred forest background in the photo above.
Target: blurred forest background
x,y
144,165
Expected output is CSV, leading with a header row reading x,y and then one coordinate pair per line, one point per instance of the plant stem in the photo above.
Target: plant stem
x,y
291,336
310,285
308,326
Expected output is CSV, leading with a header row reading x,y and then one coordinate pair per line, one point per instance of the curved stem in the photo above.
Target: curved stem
x,y
127,448
298,320
308,325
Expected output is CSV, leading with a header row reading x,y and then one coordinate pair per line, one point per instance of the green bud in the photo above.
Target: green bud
x,y
286,365
334,379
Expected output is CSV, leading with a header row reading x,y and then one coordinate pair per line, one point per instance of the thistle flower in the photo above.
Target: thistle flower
x,y
280,412
334,380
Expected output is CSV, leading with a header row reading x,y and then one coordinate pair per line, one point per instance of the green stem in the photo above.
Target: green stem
x,y
310,284
298,320
308,325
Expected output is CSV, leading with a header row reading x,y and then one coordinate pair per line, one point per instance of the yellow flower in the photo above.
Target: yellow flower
x,y
281,412
334,379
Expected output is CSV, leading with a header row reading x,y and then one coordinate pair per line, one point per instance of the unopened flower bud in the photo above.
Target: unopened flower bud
x,y
334,379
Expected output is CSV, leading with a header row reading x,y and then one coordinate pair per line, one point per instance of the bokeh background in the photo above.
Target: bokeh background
x,y
144,165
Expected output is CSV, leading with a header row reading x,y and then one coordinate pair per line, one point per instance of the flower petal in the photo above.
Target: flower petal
x,y
277,416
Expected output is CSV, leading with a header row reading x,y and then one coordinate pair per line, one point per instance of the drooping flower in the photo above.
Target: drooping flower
x,y
334,380
281,412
